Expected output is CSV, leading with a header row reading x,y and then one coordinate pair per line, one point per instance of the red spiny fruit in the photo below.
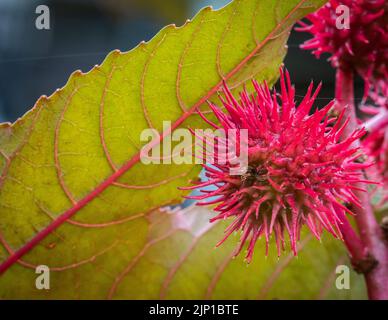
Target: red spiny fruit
x,y
362,48
376,145
299,172
376,142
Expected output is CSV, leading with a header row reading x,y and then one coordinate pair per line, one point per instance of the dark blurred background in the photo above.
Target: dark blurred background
x,y
35,62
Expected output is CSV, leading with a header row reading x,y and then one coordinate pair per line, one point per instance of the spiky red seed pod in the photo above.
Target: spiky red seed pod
x,y
299,172
376,145
376,142
362,48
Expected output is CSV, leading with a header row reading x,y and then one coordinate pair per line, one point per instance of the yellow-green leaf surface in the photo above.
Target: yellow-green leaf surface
x,y
179,261
73,193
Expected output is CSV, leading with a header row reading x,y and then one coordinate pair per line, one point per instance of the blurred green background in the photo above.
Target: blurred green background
x,y
35,62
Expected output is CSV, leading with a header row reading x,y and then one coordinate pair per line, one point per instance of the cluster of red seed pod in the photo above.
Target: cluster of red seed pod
x,y
362,47
302,171
299,172
376,142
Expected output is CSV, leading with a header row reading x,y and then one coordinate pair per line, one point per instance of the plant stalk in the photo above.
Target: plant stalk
x,y
378,121
356,248
371,235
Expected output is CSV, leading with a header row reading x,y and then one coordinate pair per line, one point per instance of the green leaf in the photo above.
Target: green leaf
x,y
178,262
73,193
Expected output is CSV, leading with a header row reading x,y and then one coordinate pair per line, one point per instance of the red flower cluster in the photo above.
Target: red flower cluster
x,y
299,172
363,47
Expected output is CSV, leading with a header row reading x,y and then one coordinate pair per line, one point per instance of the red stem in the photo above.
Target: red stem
x,y
370,232
356,248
